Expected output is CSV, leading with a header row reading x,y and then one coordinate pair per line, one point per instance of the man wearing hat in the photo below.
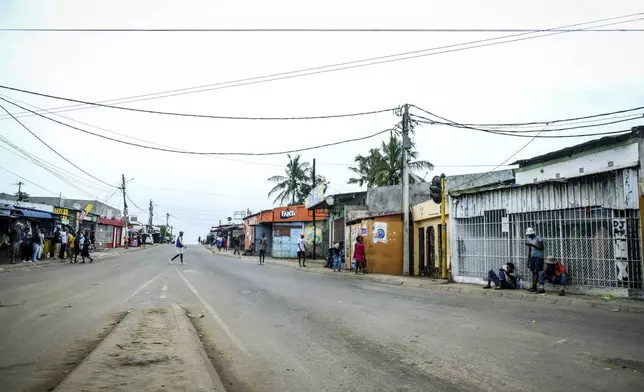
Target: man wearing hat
x,y
535,256
554,273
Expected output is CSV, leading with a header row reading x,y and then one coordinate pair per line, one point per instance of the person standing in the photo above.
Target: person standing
x,y
14,243
37,242
41,233
71,246
63,243
180,247
301,251
55,250
85,248
359,254
77,245
92,241
236,243
535,256
25,245
263,245
337,258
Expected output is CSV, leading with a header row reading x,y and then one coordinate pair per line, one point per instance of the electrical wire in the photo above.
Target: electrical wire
x,y
502,163
31,182
304,30
345,65
51,148
540,123
203,153
343,115
194,192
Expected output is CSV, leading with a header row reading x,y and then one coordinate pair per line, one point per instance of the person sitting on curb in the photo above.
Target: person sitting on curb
x,y
554,273
505,280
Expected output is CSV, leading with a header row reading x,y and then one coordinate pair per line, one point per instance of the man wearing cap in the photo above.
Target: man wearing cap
x,y
535,256
180,247
554,273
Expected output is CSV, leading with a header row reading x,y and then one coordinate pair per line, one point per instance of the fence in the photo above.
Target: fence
x,y
600,247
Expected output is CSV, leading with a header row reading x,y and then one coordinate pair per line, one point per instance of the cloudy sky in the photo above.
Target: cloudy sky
x,y
561,76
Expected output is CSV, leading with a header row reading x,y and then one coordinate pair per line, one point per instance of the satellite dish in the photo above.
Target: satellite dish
x,y
77,206
329,200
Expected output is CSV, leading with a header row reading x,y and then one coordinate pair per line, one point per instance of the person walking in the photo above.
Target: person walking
x,y
71,246
301,251
77,245
236,242
180,247
84,244
535,256
63,244
263,245
37,243
359,254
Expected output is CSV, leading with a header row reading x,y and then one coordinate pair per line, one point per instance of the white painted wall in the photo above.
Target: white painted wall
x,y
621,157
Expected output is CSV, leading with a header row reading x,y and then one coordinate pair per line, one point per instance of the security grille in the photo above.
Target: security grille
x,y
600,247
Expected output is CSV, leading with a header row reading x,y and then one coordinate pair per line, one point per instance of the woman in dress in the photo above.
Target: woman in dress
x,y
359,254
85,247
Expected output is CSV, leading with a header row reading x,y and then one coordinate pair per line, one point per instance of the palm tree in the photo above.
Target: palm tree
x,y
384,166
289,185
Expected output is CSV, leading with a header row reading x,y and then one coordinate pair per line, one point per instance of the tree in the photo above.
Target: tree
x,y
289,186
22,196
384,166
307,187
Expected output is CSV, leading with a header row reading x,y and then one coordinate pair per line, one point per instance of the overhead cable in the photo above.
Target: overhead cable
x,y
31,182
299,30
203,153
354,64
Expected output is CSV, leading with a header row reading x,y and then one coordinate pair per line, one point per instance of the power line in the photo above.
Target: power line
x,y
343,115
533,122
304,30
31,182
502,163
202,153
50,147
348,64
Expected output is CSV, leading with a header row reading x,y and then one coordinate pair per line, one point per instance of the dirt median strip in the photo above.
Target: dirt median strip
x,y
150,350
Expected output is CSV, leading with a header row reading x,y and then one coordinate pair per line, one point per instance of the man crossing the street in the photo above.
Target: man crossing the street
x,y
180,247
301,251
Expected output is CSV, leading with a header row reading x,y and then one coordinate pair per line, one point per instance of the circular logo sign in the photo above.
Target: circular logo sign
x,y
380,234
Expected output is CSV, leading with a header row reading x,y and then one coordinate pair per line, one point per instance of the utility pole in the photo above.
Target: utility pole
x,y
443,229
313,192
405,189
125,218
20,184
150,218
167,219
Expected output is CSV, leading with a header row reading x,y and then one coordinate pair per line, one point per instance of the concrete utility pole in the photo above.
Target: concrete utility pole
x,y
167,219
20,184
406,142
150,218
314,192
125,218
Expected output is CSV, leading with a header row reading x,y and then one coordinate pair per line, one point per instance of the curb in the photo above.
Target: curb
x,y
508,294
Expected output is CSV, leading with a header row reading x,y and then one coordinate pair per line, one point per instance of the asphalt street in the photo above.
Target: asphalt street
x,y
273,328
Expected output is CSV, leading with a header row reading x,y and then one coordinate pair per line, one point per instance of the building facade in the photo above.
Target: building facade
x,y
584,201
427,245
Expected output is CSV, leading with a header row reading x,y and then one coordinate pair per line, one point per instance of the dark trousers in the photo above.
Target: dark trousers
x,y
236,252
63,247
301,257
26,252
262,256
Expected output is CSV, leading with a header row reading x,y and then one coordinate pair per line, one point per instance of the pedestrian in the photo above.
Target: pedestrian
x,y
14,242
263,245
224,244
199,240
25,245
180,247
301,251
71,245
535,256
37,242
505,280
84,244
554,273
92,241
55,250
337,260
359,255
77,245
41,233
219,243
236,243
63,244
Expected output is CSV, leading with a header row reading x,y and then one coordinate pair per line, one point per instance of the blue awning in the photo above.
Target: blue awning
x,y
36,214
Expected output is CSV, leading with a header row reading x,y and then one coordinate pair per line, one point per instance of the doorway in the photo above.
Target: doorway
x,y
421,251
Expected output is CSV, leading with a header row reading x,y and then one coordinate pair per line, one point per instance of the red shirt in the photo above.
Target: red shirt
x,y
359,254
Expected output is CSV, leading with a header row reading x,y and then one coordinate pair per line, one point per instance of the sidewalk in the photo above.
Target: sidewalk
x,y
98,255
550,298
150,350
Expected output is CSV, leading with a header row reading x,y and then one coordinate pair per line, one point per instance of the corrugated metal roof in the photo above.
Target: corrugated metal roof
x,y
616,190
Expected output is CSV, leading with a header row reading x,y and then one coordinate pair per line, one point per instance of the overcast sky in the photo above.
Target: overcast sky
x,y
562,76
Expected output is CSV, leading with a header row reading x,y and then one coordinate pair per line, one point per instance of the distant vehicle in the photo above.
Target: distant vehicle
x,y
149,239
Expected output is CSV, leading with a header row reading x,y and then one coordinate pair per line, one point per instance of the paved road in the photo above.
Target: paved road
x,y
272,328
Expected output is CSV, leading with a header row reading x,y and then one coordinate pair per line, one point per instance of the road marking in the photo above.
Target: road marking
x,y
144,285
164,288
213,313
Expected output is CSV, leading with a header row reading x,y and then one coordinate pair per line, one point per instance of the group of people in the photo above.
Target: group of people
x,y
359,261
28,245
549,269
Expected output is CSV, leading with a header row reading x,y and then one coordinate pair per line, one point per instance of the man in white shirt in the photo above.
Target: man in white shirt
x,y
180,247
63,244
301,251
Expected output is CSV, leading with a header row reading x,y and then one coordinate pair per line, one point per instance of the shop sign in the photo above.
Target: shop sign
x,y
86,211
285,214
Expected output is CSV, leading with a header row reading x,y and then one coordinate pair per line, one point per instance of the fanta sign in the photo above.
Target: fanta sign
x,y
285,214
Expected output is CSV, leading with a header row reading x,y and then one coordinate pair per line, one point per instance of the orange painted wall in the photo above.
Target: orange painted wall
x,y
301,214
382,258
